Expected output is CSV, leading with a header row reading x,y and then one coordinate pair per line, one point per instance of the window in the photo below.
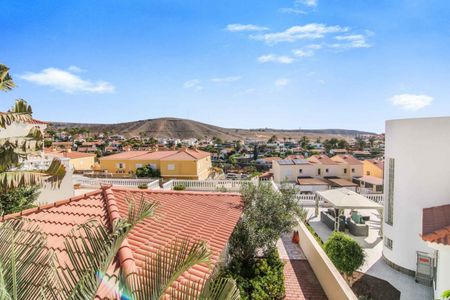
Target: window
x,y
120,166
138,166
170,167
388,243
318,171
152,166
368,173
353,170
326,170
389,216
300,171
345,171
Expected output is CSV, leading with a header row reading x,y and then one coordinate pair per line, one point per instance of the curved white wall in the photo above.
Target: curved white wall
x,y
421,149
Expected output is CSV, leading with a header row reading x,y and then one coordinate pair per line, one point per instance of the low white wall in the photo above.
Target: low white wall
x,y
333,284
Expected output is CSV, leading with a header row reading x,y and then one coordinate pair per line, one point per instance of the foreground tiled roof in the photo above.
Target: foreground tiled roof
x,y
436,224
210,217
321,159
347,158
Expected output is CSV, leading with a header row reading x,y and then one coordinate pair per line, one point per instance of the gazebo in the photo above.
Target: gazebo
x,y
343,198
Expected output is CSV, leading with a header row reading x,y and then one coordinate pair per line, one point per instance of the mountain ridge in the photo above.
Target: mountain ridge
x,y
169,127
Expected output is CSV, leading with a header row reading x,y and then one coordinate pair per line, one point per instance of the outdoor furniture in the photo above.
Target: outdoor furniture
x,y
328,218
357,229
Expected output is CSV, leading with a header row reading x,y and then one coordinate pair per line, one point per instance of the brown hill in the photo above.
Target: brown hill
x,y
182,129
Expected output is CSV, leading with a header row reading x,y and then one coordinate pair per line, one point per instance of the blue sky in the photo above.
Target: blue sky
x,y
279,64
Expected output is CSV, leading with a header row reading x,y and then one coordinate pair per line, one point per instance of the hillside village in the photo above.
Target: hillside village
x,y
103,196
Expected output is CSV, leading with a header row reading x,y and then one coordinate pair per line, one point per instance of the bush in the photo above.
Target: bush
x,y
263,279
179,187
18,199
345,253
142,186
147,172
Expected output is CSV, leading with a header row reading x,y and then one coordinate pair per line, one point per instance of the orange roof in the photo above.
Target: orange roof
x,y
187,154
183,154
321,159
124,155
210,217
347,158
295,156
436,224
34,121
270,159
377,163
71,154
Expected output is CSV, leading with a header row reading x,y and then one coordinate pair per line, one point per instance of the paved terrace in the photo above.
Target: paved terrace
x,y
300,281
375,265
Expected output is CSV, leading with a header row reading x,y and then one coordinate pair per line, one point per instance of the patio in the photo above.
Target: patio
x,y
373,246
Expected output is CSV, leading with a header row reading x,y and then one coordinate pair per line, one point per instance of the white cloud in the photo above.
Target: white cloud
x,y
75,69
412,102
291,10
193,84
281,82
310,3
245,27
295,33
226,79
67,81
282,59
307,51
351,41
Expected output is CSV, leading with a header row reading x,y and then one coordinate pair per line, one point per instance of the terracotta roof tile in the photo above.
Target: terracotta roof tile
x,y
436,224
210,217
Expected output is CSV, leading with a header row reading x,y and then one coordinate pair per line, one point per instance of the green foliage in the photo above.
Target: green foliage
x,y
18,199
345,253
315,235
142,186
446,295
179,187
147,172
262,279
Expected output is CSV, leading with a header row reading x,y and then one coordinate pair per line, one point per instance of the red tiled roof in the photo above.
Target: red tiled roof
x,y
377,163
321,159
71,154
34,121
210,217
295,156
436,224
347,158
183,154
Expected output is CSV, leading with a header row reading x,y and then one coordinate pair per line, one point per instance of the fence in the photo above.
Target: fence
x,y
209,185
152,183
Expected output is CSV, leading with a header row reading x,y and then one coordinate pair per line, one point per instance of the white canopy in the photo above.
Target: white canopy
x,y
345,199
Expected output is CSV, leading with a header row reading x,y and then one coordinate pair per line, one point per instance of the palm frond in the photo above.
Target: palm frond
x,y
163,268
6,81
211,289
13,179
91,249
7,118
26,265
21,106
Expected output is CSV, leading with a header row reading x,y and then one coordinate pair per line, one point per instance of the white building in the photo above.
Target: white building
x,y
415,178
48,193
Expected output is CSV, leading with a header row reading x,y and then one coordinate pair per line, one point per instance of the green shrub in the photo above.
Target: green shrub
x,y
446,295
262,279
142,186
18,199
345,253
179,187
147,172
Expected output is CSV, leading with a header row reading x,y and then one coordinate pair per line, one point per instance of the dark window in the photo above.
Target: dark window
x,y
353,170
318,171
345,171
301,171
326,170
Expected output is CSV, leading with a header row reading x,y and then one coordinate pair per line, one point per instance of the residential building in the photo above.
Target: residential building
x,y
373,177
78,161
373,167
352,166
182,164
197,216
326,167
412,183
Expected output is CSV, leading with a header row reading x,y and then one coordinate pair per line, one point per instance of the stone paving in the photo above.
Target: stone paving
x,y
300,281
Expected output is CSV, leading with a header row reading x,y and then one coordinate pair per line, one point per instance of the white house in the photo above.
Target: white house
x,y
415,178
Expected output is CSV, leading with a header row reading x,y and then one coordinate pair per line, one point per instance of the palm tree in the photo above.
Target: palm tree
x,y
28,270
6,82
14,149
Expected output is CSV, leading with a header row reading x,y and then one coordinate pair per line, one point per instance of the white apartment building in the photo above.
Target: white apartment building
x,y
416,179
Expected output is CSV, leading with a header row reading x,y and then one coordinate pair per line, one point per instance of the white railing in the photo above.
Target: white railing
x,y
86,181
378,198
363,190
41,164
168,185
153,185
212,185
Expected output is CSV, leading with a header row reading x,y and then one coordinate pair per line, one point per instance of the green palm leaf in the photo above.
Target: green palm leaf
x,y
91,249
6,81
